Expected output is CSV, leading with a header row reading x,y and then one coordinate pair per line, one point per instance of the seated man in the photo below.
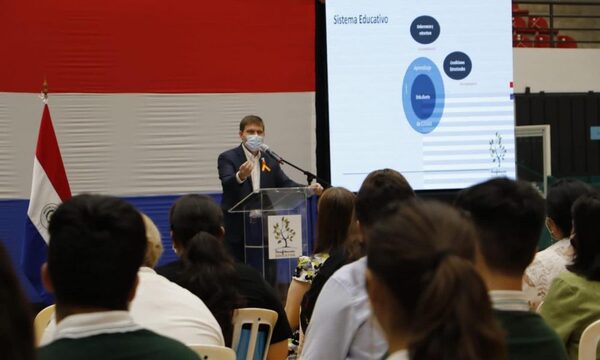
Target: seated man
x,y
97,244
341,326
509,216
163,306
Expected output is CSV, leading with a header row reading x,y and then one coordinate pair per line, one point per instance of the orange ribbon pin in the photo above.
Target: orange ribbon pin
x,y
264,167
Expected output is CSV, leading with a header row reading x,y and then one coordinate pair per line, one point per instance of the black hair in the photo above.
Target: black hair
x,y
97,244
561,196
208,269
509,216
423,252
586,241
379,189
16,321
194,213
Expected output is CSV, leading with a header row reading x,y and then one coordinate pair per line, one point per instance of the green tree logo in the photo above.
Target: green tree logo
x,y
283,233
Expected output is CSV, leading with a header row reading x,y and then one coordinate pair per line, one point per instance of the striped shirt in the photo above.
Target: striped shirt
x,y
509,300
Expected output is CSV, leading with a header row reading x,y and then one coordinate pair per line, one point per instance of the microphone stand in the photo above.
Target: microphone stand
x,y
309,176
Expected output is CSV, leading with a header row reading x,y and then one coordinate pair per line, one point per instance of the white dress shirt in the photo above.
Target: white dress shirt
x,y
167,309
80,326
342,325
255,173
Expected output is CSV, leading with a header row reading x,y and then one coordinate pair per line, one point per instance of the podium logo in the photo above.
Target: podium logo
x,y
285,236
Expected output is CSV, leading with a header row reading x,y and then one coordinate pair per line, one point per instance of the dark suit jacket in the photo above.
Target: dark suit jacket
x,y
229,163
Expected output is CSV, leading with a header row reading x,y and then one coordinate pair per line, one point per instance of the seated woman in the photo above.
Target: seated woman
x,y
208,271
572,300
335,211
423,287
553,260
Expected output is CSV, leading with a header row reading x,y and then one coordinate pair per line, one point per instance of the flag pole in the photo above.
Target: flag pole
x,y
45,91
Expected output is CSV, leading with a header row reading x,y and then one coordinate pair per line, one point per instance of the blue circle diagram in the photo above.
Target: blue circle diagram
x,y
457,65
423,95
425,29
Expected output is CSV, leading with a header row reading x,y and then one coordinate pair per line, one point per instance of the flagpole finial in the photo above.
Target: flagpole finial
x,y
45,91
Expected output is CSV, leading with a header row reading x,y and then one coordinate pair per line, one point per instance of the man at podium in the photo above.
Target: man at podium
x,y
245,169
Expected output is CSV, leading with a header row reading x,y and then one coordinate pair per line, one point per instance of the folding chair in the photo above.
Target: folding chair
x,y
252,330
213,352
41,321
588,343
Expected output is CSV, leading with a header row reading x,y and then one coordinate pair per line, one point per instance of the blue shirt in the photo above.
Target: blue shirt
x,y
342,325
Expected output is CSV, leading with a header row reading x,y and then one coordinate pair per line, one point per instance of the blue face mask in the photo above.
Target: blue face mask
x,y
253,142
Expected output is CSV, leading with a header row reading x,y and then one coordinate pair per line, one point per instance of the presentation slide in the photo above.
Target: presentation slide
x,y
424,88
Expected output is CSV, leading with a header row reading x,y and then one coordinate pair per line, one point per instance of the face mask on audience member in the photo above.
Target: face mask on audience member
x,y
253,142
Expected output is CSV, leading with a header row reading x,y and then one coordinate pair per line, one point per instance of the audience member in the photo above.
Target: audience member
x,y
353,249
550,262
207,269
167,308
335,213
97,244
163,306
424,290
509,216
340,326
16,322
572,301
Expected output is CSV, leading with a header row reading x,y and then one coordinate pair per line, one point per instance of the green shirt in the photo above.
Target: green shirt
x,y
572,303
139,344
528,337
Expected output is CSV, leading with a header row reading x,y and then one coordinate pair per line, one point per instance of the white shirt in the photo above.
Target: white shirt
x,y
255,174
167,309
398,355
342,325
546,266
106,322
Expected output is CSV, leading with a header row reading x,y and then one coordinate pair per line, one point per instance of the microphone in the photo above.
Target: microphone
x,y
265,148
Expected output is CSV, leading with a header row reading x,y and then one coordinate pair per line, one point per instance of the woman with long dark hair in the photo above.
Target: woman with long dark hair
x,y
210,272
335,215
423,287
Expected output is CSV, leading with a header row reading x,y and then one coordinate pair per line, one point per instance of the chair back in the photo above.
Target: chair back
x,y
41,321
252,330
588,343
522,40
213,352
565,41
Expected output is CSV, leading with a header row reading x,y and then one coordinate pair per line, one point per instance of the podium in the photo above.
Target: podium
x,y
276,232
